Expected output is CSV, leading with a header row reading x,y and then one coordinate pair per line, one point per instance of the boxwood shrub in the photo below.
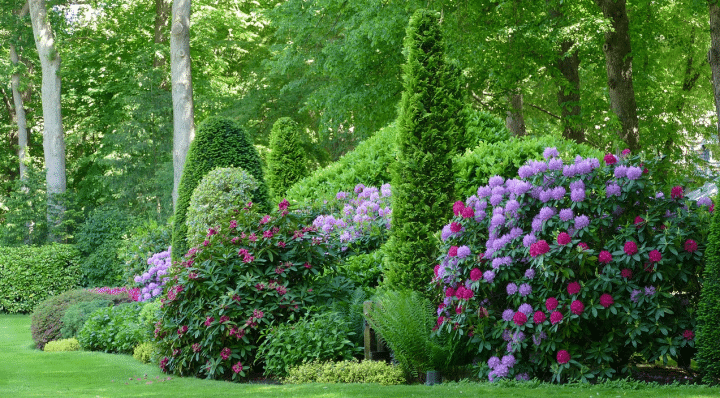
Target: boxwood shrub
x,y
29,275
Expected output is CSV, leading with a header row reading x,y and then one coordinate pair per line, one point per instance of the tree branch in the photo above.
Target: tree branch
x,y
545,111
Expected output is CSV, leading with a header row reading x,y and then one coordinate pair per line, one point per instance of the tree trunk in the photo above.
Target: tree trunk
x,y
53,139
161,20
714,55
20,118
618,62
568,63
515,121
183,124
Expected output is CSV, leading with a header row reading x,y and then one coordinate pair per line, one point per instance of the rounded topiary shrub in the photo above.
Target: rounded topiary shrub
x,y
229,289
220,195
572,268
219,142
29,275
46,323
76,315
287,162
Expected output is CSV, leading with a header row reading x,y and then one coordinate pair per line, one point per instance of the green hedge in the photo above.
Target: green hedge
x,y
708,333
29,275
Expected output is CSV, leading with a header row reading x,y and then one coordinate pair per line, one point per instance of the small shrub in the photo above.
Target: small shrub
x,y
364,269
145,352
287,162
319,337
219,142
29,275
144,240
46,321
76,315
350,371
70,344
113,329
219,196
149,315
227,291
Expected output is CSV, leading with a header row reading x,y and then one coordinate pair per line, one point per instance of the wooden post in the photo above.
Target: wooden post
x,y
374,346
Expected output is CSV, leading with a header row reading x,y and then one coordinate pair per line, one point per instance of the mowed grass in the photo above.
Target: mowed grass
x,y
27,372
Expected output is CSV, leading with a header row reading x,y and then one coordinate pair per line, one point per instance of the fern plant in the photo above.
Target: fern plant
x,y
405,321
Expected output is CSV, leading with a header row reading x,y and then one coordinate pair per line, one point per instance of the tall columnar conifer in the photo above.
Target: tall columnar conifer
x,y
430,131
287,162
708,333
219,142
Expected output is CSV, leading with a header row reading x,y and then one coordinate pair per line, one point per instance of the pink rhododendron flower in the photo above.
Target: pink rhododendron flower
x,y
449,292
225,353
208,321
577,307
519,318
455,227
626,152
606,300
655,256
453,251
539,317
238,367
630,248
458,207
584,245
563,357
688,334
556,317
638,220
626,273
551,303
573,288
563,238
539,248
605,257
690,245
676,192
467,212
475,274
610,159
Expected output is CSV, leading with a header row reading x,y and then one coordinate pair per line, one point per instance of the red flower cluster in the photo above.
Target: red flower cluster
x,y
676,192
563,238
458,207
577,307
519,318
630,248
551,303
626,273
563,356
573,288
453,251
556,317
539,317
455,227
468,212
463,293
610,159
539,248
475,274
606,300
690,245
639,220
605,257
688,334
655,256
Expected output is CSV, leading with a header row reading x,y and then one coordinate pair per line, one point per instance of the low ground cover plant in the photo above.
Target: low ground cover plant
x,y
348,371
570,269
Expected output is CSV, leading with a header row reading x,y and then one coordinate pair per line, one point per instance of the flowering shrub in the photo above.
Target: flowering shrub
x,y
363,221
227,291
132,293
600,284
153,280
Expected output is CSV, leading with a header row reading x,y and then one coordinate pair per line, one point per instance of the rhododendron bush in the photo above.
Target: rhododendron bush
x,y
219,301
570,269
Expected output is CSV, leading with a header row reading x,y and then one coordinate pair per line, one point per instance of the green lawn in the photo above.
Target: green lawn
x,y
27,372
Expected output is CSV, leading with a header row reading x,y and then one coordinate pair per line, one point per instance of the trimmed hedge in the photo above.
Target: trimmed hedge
x,y
504,158
219,142
287,162
29,275
708,333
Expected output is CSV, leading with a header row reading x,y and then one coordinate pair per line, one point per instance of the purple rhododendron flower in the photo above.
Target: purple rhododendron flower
x,y
566,214
489,276
633,172
613,189
511,288
526,309
577,195
530,273
463,251
507,315
551,152
529,239
581,222
495,181
525,289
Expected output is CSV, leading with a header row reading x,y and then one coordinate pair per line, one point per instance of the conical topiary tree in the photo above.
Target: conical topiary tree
x,y
708,327
287,162
430,128
219,142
